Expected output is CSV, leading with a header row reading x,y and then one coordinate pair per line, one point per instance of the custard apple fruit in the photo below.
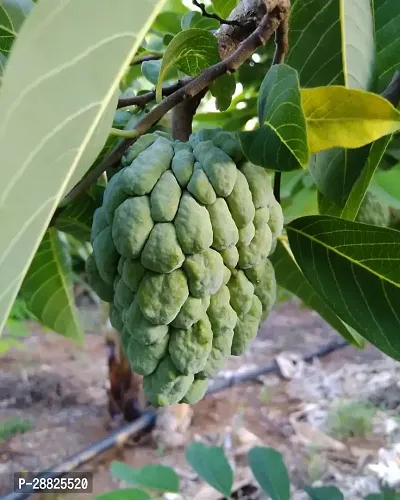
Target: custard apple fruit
x,y
180,251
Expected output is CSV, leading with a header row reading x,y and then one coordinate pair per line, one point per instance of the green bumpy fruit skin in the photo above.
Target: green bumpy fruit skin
x,y
181,248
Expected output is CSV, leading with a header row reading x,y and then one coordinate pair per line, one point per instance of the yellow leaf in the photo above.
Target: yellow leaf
x,y
348,118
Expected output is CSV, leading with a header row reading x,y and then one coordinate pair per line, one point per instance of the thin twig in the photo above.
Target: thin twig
x,y
204,13
258,38
143,99
147,57
281,42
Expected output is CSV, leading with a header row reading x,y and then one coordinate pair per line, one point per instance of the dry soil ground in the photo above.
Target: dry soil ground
x,y
61,389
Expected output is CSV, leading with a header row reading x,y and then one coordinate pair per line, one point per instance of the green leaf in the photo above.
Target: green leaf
x,y
387,19
289,277
389,181
336,170
303,202
387,494
211,465
123,494
223,89
151,71
353,267
196,20
269,469
167,22
324,493
224,7
331,42
47,287
281,142
191,51
349,209
153,477
76,219
348,118
72,87
12,15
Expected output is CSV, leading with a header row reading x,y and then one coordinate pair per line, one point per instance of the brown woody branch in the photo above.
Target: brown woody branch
x,y
143,99
258,38
147,57
281,42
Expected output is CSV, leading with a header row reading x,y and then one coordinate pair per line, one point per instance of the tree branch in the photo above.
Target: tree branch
x,y
258,38
143,99
204,13
144,58
281,48
281,42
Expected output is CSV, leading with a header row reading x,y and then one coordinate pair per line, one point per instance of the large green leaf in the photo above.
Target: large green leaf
x,y
269,469
331,42
289,277
211,465
47,287
340,117
355,268
153,477
190,51
336,170
76,219
55,111
387,21
12,15
281,141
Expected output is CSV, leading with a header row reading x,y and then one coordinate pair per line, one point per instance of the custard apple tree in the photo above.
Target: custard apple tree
x,y
208,155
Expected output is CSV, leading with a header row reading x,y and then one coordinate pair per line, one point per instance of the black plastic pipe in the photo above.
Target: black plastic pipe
x,y
148,420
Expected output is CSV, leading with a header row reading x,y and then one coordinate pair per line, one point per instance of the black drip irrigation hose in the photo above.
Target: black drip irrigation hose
x,y
147,421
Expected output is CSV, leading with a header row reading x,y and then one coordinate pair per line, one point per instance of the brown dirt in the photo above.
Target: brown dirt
x,y
61,388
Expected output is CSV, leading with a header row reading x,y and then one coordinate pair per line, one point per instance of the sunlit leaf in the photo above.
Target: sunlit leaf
x,y
191,51
62,104
348,118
